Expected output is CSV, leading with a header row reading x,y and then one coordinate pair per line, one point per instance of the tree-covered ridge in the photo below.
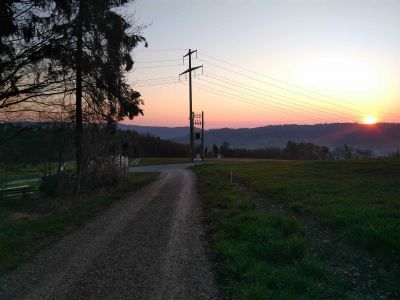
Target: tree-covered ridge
x,y
53,143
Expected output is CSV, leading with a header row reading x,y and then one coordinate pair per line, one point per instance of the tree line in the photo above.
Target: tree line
x,y
50,145
292,151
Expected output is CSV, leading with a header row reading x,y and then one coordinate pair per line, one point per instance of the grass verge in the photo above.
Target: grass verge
x,y
25,230
257,255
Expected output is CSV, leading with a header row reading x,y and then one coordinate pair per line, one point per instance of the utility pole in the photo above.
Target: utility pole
x,y
202,136
198,119
191,125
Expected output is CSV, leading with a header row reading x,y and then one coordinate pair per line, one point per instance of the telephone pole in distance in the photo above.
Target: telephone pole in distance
x,y
190,70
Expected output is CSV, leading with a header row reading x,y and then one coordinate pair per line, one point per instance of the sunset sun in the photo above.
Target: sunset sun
x,y
370,120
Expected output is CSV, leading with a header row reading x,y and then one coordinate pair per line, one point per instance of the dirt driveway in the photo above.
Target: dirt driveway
x,y
147,246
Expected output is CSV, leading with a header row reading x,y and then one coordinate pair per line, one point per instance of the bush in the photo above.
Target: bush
x,y
59,184
65,184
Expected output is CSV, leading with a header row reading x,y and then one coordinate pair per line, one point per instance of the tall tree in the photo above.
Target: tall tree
x,y
75,47
28,45
100,41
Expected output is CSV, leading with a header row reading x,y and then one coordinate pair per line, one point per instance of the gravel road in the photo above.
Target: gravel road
x,y
147,246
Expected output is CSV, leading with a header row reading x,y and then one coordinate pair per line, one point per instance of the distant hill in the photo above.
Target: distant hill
x,y
168,133
379,137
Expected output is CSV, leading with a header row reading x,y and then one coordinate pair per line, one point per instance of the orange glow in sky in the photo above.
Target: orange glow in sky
x,y
282,62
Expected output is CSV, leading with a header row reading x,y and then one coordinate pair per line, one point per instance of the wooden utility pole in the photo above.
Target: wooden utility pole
x,y
191,125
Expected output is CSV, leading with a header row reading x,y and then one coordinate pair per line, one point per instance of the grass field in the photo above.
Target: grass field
x,y
28,225
357,199
20,173
27,172
257,255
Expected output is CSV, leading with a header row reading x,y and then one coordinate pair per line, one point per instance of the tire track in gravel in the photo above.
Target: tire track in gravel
x,y
147,246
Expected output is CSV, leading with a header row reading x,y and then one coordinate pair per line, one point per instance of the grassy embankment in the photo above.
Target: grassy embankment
x,y
29,225
263,255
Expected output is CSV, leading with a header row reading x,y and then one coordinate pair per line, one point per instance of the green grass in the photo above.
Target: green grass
x,y
29,225
162,161
359,198
257,255
27,172
19,173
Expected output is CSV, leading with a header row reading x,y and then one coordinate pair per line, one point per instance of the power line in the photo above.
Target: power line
x,y
290,101
154,79
157,83
283,82
168,80
160,50
252,102
278,97
157,61
260,74
263,99
160,66
278,106
257,104
264,123
279,87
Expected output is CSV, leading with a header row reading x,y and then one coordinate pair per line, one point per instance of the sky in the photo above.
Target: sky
x,y
268,62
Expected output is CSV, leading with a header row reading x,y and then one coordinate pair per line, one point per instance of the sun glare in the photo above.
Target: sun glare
x,y
370,120
339,73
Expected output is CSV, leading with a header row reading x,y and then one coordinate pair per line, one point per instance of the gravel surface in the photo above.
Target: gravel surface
x,y
147,246
162,168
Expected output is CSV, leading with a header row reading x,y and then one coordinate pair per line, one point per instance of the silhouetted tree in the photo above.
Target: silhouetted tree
x,y
306,151
347,151
363,153
215,150
291,150
98,39
81,47
224,149
324,153
29,44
